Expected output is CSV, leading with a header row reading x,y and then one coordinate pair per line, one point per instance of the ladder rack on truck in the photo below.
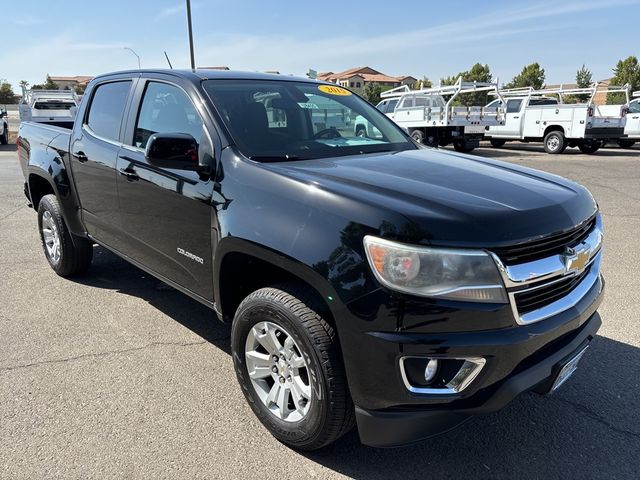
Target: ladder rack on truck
x,y
54,107
540,115
431,116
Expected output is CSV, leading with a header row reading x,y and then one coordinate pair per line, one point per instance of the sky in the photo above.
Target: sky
x,y
433,39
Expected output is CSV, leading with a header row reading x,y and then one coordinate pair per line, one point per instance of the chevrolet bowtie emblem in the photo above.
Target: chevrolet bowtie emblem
x,y
576,261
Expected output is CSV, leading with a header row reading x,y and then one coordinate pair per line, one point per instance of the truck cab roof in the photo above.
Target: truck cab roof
x,y
210,74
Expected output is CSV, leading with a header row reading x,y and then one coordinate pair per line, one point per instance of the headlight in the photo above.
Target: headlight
x,y
454,274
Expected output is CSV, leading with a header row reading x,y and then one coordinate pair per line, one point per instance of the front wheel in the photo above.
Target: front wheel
x,y
4,138
64,257
590,147
417,136
554,142
361,131
288,363
626,143
497,143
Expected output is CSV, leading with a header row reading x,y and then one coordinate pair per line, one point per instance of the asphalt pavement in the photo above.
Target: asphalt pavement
x,y
117,375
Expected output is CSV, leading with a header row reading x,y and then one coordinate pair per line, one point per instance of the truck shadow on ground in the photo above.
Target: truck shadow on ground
x,y
111,272
590,428
537,148
9,147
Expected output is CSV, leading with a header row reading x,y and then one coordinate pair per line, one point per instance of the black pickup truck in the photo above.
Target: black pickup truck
x,y
369,280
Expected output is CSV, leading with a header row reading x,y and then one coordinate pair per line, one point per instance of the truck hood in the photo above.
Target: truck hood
x,y
451,199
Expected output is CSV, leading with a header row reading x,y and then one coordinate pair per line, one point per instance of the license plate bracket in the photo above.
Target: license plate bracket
x,y
568,369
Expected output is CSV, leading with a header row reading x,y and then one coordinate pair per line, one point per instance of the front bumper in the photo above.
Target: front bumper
x,y
519,358
398,426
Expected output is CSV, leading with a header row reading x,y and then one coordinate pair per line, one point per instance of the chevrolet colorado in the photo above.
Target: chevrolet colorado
x,y
369,281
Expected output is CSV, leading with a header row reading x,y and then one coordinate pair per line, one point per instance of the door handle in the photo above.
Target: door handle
x,y
516,117
131,175
81,156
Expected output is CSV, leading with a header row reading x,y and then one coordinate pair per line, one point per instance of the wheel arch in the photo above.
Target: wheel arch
x,y
554,128
234,258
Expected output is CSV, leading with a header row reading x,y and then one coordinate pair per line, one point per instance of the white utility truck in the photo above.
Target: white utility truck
x,y
430,117
53,107
535,116
632,129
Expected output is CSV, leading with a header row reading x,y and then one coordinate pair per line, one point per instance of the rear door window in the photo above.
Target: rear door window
x,y
107,109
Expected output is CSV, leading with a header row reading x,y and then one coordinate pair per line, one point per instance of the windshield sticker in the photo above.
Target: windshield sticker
x,y
331,90
310,106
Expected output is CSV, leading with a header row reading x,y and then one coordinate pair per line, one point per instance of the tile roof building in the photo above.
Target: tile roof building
x,y
356,78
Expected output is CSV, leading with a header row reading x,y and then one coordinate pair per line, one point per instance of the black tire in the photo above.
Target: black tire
x,y
554,142
361,131
590,147
626,143
72,259
4,138
331,413
497,143
417,136
460,147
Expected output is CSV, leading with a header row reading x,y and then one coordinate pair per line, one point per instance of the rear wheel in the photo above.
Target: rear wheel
x,y
626,143
462,148
65,258
554,142
361,131
497,143
288,363
590,147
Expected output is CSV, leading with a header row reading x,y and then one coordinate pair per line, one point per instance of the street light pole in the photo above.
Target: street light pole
x,y
193,60
137,56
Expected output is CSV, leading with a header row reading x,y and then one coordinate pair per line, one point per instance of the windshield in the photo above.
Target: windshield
x,y
283,120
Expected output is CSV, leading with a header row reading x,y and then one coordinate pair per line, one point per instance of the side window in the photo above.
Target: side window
x,y
107,108
392,106
513,106
165,109
382,106
634,107
407,102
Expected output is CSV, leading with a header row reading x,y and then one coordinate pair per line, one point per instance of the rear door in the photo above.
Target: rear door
x,y
94,151
166,213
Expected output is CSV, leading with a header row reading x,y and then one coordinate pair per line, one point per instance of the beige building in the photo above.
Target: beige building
x,y
356,79
69,83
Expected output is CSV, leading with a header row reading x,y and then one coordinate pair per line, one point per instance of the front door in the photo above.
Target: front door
x,y
633,121
166,214
513,119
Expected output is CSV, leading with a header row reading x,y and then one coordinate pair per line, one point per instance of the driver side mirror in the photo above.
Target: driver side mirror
x,y
173,150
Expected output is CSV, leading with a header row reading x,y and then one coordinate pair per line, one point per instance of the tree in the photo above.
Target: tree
x,y
477,73
24,85
372,92
80,88
424,83
584,79
627,71
530,76
6,92
50,84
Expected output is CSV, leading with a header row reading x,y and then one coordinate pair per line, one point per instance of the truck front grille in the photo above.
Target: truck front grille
x,y
545,247
538,296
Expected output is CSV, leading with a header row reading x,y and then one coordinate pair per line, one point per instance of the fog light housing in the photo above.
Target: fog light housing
x,y
439,375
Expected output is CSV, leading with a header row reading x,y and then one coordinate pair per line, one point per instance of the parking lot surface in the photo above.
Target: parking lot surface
x,y
117,375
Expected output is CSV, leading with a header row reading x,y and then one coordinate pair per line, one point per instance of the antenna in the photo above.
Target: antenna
x,y
168,61
193,60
